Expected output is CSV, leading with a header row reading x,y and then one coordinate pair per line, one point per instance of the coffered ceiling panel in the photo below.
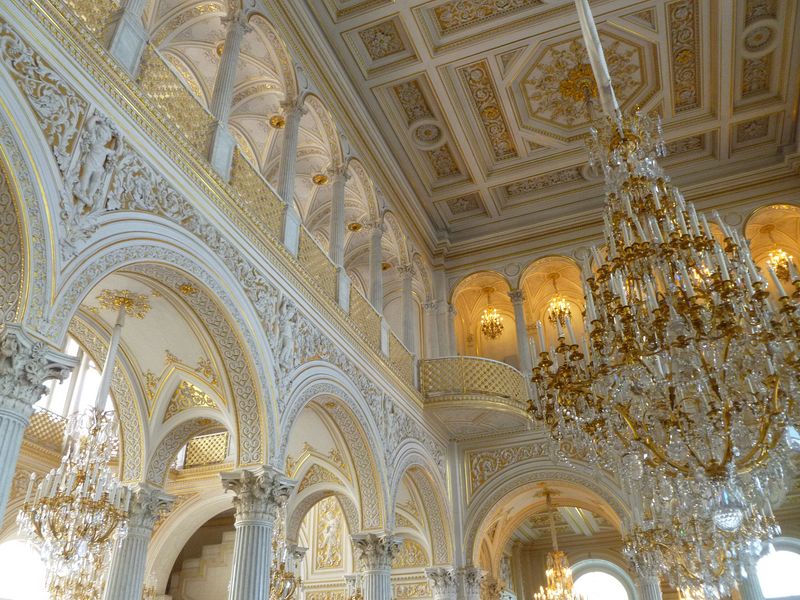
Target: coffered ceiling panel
x,y
485,104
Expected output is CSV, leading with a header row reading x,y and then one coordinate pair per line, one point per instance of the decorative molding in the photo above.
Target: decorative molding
x,y
683,21
186,397
456,15
382,40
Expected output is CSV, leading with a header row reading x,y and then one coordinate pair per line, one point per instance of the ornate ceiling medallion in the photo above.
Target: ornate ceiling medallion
x,y
135,305
277,121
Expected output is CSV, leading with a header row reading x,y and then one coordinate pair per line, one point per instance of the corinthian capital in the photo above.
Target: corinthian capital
x,y
259,492
472,579
376,552
25,364
148,503
442,581
517,296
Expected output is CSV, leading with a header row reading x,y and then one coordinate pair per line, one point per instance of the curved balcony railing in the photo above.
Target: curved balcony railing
x,y
46,429
459,378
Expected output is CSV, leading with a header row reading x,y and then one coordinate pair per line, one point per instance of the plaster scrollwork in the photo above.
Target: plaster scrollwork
x,y
58,108
11,248
134,185
435,513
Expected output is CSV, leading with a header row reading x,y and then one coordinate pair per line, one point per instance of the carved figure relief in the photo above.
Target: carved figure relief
x,y
330,527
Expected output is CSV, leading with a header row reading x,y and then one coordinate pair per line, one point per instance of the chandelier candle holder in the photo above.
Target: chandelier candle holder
x,y
491,320
558,572
558,308
75,513
686,386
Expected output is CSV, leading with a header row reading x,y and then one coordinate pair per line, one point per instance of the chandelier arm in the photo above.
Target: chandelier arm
x,y
647,442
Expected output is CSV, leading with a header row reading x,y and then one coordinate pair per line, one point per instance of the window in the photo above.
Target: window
x,y
23,572
599,585
777,574
79,390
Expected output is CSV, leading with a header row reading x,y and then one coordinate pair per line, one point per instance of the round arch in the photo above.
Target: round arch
x,y
588,565
321,381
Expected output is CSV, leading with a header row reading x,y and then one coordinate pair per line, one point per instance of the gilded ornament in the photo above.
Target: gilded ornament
x,y
134,305
277,121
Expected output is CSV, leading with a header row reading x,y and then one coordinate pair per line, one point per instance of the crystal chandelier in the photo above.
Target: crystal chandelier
x,y
687,387
559,575
558,308
778,259
491,321
75,513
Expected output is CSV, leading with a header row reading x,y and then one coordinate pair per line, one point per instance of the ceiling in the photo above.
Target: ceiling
x,y
481,102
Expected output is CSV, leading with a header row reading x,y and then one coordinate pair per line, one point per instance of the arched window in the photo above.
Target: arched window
x,y
597,579
777,574
79,390
23,572
599,585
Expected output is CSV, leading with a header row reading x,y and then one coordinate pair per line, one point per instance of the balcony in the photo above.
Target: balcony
x,y
474,396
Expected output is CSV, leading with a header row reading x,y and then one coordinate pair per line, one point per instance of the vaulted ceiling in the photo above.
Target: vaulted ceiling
x,y
483,102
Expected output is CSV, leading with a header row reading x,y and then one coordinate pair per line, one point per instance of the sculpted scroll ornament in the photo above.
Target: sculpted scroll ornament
x,y
11,262
259,493
148,505
376,552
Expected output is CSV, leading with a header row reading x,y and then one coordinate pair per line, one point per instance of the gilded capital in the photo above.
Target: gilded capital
x,y
442,581
25,364
258,492
376,552
472,579
517,296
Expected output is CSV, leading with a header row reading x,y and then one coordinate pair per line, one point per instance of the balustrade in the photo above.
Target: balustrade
x,y
444,379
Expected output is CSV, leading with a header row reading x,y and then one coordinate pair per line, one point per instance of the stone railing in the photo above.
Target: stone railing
x,y
204,450
472,378
46,429
161,94
366,317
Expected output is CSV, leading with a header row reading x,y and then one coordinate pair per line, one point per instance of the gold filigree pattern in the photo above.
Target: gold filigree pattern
x,y
401,521
95,14
330,530
187,396
684,42
557,83
317,475
206,369
756,74
134,305
413,101
316,263
445,378
46,429
485,464
366,318
255,195
401,360
407,591
478,79
443,162
460,14
205,450
531,185
382,40
410,555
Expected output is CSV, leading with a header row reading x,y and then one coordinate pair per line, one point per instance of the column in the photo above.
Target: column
x,y
749,587
649,587
294,110
443,583
375,554
25,364
127,571
127,36
375,229
523,348
430,315
471,580
406,274
451,329
259,493
339,179
222,100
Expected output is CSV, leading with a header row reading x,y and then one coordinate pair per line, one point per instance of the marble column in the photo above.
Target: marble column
x,y
127,571
25,364
294,110
471,581
523,348
223,143
339,179
649,587
127,35
749,587
431,314
443,583
259,494
375,554
375,229
406,275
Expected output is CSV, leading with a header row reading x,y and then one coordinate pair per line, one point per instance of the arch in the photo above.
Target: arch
x,y
525,477
583,566
241,342
350,413
414,461
300,508
173,440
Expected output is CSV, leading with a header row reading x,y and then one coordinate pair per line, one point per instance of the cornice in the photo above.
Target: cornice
x,y
299,30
